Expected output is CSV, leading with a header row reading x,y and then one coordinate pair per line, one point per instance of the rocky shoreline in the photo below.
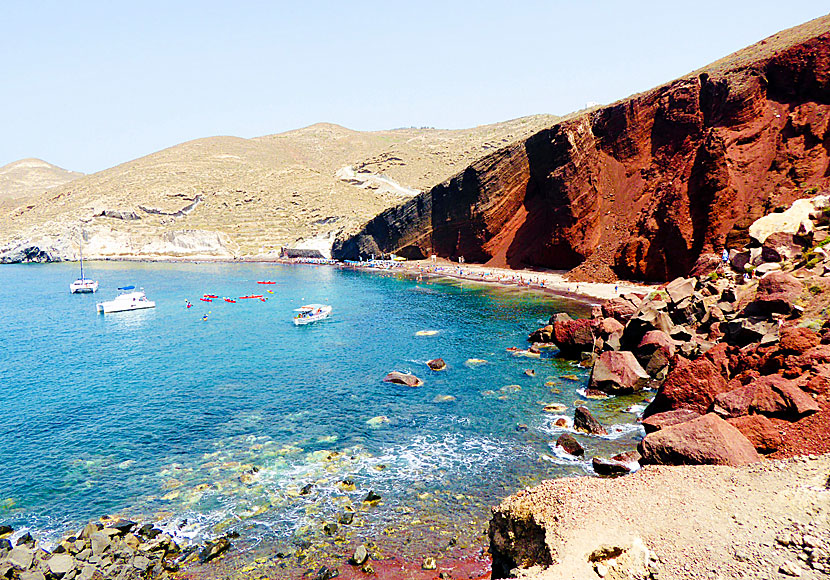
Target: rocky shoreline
x,y
739,355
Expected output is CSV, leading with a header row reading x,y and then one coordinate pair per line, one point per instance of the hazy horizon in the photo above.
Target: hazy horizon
x,y
94,86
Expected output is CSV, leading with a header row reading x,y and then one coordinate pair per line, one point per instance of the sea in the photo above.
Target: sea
x,y
226,418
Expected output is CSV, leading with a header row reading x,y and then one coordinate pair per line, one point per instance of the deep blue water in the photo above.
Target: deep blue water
x,y
160,414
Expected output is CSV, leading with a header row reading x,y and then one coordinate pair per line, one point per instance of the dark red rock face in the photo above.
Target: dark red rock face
x,y
643,187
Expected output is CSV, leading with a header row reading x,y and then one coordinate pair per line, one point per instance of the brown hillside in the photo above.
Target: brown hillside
x,y
233,197
29,177
642,187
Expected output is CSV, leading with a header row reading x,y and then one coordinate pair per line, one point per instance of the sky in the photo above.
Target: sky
x,y
89,85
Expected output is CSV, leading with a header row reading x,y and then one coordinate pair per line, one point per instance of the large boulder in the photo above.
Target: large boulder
x,y
655,351
680,289
779,397
617,373
707,440
796,339
573,336
760,431
776,293
780,246
585,421
796,218
690,384
619,308
668,418
651,316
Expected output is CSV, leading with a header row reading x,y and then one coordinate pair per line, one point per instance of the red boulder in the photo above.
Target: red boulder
x,y
689,385
707,440
760,431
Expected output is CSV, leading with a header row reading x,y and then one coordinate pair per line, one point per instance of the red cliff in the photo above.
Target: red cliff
x,y
640,188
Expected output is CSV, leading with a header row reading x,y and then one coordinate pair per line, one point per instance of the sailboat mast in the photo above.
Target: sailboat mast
x,y
81,247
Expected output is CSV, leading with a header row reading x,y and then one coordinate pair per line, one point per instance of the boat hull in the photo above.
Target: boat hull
x,y
126,303
83,287
325,312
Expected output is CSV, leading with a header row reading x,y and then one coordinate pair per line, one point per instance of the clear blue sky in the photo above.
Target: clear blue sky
x,y
88,85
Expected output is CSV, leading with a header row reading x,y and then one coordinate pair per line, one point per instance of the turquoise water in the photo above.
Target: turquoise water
x,y
216,425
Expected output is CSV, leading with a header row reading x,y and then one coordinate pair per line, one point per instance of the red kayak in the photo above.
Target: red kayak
x,y
204,300
251,296
231,300
265,282
211,296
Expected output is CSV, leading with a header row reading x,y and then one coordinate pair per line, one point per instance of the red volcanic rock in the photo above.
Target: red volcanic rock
x,y
760,431
797,339
573,336
719,355
668,418
570,445
776,292
608,326
689,385
780,397
780,246
735,403
645,185
617,373
707,440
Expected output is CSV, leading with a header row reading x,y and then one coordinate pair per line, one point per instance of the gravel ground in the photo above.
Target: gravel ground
x,y
766,521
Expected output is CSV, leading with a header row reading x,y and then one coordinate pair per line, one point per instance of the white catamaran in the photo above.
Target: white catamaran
x,y
82,284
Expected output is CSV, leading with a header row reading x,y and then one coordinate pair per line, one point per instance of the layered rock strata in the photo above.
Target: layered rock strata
x,y
640,188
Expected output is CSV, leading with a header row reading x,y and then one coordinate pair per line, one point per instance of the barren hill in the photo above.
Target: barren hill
x,y
234,197
30,177
643,187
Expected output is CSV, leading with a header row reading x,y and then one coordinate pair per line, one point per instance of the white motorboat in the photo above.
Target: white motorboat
x,y
311,313
129,299
82,284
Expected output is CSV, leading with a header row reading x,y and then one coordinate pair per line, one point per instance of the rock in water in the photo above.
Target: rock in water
x,y
214,549
437,364
569,443
708,440
617,373
585,421
403,379
372,497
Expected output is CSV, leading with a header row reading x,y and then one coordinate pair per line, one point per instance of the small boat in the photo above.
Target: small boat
x,y
129,299
231,300
250,296
82,284
265,282
210,296
203,299
311,313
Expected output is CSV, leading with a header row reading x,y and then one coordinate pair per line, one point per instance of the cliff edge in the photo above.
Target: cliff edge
x,y
641,188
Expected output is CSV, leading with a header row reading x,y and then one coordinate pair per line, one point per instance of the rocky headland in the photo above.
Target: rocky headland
x,y
641,188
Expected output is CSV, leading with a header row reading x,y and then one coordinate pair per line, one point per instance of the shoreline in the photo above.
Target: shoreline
x,y
547,281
